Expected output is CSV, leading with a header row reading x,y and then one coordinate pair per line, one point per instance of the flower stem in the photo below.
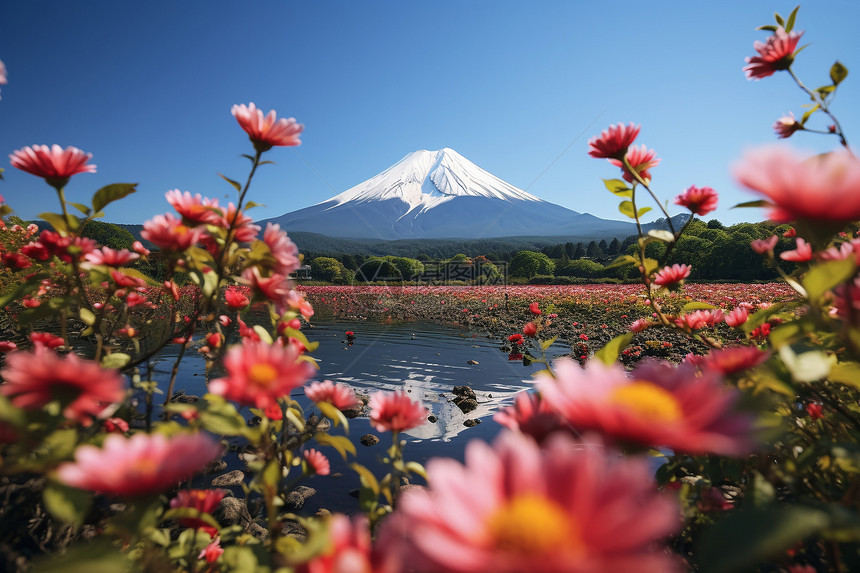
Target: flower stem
x,y
822,104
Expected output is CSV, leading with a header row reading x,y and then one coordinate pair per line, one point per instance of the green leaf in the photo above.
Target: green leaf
x,y
759,203
808,113
622,261
696,306
252,204
824,90
5,210
643,210
95,556
221,417
110,193
235,184
547,343
332,413
661,235
807,366
366,477
825,276
115,360
416,468
779,19
618,187
767,28
178,513
846,373
87,316
82,208
838,72
67,504
626,208
263,334
761,316
341,443
609,353
751,535
60,224
789,24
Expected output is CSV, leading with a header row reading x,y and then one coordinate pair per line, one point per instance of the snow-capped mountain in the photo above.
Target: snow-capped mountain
x,y
441,194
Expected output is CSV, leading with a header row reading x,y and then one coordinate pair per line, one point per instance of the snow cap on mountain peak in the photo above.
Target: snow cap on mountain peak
x,y
425,179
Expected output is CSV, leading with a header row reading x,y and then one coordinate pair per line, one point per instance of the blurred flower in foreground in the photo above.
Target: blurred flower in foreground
x,y
84,389
821,188
141,465
567,506
55,164
775,54
267,131
201,500
2,73
530,415
395,412
658,406
348,550
340,396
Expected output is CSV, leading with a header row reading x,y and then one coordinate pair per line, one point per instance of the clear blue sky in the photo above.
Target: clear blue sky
x,y
516,87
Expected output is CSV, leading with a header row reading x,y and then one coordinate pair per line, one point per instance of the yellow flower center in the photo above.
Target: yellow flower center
x,y
531,525
648,401
262,374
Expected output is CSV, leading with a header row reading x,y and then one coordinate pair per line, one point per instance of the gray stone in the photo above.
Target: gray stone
x,y
296,499
235,477
471,422
369,440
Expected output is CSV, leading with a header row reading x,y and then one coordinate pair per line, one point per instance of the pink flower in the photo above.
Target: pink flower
x,y
348,550
699,200
297,301
340,396
737,317
395,412
7,346
139,248
283,250
762,246
639,325
815,411
259,373
168,232
317,462
612,143
212,552
266,132
846,301
275,288
670,276
115,425
235,298
2,73
658,406
244,229
786,126
776,54
822,188
200,500
530,415
700,319
641,159
34,379
802,253
111,257
195,209
566,506
55,164
141,465
46,340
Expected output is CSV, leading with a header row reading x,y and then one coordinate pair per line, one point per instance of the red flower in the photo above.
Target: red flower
x,y
34,379
534,308
530,329
815,411
55,164
530,415
212,552
395,412
46,339
266,132
168,232
612,143
822,188
737,317
640,159
141,465
776,54
194,209
731,360
699,200
516,338
200,500
235,299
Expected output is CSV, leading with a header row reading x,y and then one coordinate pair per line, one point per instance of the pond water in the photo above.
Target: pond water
x,y
426,360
